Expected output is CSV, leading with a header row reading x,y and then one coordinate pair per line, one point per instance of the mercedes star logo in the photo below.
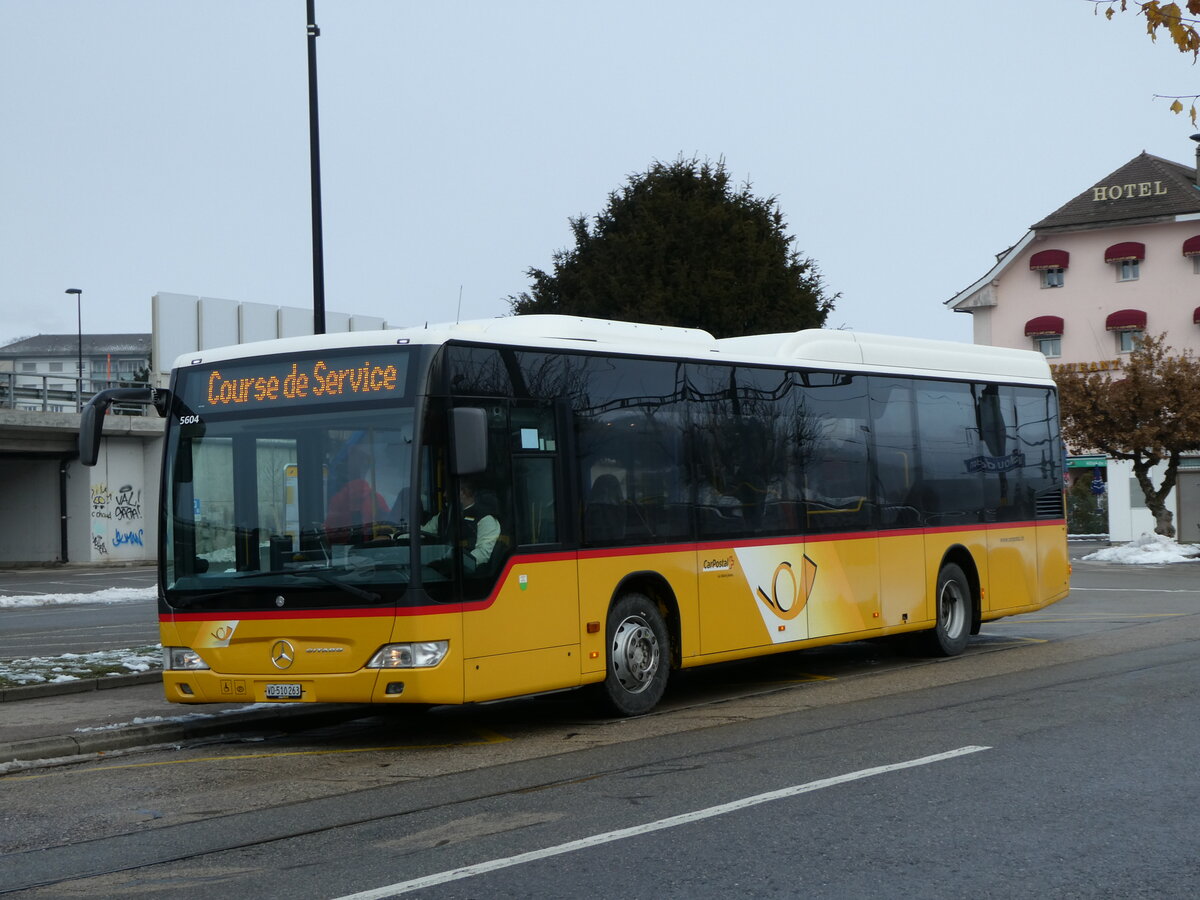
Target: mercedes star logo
x,y
282,655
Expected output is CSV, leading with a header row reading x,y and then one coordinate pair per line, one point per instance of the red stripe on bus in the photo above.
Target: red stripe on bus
x,y
598,553
345,613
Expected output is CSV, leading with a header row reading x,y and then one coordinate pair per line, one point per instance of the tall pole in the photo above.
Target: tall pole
x,y
79,331
314,156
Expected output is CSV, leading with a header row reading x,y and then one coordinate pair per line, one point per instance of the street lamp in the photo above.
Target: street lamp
x,y
79,324
314,165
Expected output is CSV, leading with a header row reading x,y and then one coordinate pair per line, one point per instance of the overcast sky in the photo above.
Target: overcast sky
x,y
162,145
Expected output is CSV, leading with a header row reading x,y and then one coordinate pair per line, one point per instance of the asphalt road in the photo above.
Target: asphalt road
x,y
78,627
1056,758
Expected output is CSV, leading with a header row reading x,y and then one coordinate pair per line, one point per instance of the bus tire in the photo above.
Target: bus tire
x,y
953,601
638,656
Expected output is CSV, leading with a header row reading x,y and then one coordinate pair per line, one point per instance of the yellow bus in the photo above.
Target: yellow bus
x,y
468,512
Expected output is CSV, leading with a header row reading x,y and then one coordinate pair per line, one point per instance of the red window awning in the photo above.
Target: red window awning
x,y
1044,325
1052,259
1191,247
1125,250
1126,320
1196,316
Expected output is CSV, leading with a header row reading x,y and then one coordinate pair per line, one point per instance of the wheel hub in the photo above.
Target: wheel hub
x,y
635,654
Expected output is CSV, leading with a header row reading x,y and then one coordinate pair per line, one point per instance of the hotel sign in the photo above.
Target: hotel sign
x,y
1132,191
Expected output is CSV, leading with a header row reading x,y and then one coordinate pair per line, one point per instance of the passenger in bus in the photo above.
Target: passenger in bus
x,y
604,519
356,506
479,529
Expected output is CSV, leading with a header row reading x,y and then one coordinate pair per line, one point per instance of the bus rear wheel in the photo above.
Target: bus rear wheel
x,y
953,629
639,653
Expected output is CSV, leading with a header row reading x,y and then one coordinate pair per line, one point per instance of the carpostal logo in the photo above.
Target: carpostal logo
x,y
721,564
780,579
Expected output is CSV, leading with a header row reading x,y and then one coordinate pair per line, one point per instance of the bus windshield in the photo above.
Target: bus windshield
x,y
296,499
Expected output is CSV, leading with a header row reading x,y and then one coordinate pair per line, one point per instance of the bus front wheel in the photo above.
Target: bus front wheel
x,y
949,637
639,653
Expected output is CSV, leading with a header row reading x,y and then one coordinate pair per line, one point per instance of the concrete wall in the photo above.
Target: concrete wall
x,y
111,509
118,500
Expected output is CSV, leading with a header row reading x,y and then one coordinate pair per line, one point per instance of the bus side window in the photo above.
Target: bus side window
x,y
630,420
894,427
952,482
535,453
837,492
604,512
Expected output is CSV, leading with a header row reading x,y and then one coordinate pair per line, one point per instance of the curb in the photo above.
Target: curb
x,y
79,686
68,748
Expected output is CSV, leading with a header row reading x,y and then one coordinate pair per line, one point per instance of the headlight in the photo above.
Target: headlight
x,y
420,655
182,658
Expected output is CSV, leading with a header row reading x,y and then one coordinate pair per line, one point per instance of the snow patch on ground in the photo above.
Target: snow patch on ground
x,y
1148,550
107,596
75,666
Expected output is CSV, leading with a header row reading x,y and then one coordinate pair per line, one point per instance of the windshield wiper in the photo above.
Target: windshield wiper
x,y
319,574
337,583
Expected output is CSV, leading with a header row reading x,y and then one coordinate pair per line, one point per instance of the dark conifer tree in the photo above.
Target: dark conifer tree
x,y
677,245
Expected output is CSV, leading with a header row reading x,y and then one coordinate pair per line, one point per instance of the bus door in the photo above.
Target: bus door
x,y
841,551
754,577
519,593
1011,542
897,473
1024,484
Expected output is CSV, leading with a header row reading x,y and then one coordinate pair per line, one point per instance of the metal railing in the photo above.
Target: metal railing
x,y
59,393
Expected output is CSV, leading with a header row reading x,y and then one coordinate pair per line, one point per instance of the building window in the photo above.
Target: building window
x,y
55,367
1196,264
1052,278
1127,341
28,367
1049,346
1128,269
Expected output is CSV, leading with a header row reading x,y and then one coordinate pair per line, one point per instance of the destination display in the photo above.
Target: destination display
x,y
239,384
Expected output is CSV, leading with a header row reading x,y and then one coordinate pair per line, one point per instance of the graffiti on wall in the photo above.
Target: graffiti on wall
x,y
101,498
120,538
128,503
117,521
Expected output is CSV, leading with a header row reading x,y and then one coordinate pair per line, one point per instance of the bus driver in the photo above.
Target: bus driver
x,y
479,527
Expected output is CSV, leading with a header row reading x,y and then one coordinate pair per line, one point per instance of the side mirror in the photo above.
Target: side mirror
x,y
91,421
468,426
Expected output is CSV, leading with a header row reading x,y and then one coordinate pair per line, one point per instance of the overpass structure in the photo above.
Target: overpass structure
x,y
54,510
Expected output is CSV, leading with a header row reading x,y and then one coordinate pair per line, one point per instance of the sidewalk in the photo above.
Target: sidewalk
x,y
90,718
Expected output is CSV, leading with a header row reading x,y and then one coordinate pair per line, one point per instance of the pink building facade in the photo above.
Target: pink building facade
x,y
1119,260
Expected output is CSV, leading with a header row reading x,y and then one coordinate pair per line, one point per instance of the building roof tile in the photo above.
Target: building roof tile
x,y
68,345
1146,188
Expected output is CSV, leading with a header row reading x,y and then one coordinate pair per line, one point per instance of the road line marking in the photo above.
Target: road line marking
x,y
1138,590
1089,617
403,887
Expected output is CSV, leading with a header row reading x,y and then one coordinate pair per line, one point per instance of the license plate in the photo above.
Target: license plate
x,y
284,692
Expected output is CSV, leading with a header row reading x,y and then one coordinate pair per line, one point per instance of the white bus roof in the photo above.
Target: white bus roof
x,y
849,350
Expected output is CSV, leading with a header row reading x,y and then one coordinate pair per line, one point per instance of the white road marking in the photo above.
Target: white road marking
x,y
403,887
1138,590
